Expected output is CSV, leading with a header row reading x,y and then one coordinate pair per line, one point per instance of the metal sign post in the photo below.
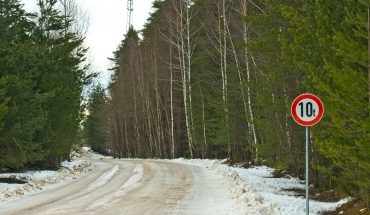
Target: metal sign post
x,y
307,110
307,168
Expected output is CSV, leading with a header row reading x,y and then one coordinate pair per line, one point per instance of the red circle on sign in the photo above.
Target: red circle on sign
x,y
298,100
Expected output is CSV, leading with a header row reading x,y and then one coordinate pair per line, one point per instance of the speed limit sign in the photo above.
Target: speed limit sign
x,y
307,109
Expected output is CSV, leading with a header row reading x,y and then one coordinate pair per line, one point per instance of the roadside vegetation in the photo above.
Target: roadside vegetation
x,y
215,79
204,79
42,75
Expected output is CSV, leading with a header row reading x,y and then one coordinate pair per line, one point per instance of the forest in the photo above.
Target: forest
x,y
215,79
203,79
42,76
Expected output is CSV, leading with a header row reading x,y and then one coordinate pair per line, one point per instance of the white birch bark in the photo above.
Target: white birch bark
x,y
222,26
249,99
204,124
184,53
188,54
171,101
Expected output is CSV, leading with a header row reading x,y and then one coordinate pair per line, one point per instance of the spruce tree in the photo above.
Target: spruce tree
x,y
23,102
94,125
329,44
63,77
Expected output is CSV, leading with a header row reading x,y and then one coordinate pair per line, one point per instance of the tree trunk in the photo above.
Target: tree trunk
x,y
241,79
246,55
171,101
204,153
368,49
184,53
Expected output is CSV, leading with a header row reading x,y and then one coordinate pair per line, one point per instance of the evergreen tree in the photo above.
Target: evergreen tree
x,y
329,41
41,81
23,101
63,77
94,124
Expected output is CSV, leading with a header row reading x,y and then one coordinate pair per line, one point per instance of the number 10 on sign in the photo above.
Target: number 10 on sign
x,y
307,110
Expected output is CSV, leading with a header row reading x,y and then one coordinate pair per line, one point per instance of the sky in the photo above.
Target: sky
x,y
107,26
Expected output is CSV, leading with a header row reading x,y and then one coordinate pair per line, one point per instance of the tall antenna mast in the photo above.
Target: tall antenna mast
x,y
130,9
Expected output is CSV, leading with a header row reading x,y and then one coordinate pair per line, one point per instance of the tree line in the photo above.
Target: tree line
x,y
215,79
42,75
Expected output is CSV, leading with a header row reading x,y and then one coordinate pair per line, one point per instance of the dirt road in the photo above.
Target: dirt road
x,y
130,187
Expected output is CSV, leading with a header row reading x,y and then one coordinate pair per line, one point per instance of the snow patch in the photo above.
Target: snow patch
x,y
86,149
132,183
38,180
256,192
275,198
88,152
102,180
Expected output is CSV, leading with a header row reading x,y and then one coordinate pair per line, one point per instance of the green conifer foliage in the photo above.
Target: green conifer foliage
x,y
41,80
22,101
329,44
94,124
63,77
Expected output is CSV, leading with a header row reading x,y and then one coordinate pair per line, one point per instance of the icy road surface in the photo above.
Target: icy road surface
x,y
95,184
131,187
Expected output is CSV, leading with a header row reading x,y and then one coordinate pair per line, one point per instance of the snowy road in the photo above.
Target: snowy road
x,y
95,184
131,187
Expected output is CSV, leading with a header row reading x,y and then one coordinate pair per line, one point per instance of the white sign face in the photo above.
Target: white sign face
x,y
307,109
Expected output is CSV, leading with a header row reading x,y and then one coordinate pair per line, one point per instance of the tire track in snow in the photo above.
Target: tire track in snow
x,y
96,184
101,181
132,183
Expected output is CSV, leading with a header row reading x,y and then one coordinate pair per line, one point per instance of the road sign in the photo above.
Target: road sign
x,y
307,109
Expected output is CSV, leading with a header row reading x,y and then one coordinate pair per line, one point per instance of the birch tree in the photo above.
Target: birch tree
x,y
182,21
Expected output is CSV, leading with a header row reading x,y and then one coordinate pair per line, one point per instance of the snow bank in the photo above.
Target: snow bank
x,y
37,180
87,151
274,195
256,192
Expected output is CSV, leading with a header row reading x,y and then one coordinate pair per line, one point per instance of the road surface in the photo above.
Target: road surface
x,y
131,187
